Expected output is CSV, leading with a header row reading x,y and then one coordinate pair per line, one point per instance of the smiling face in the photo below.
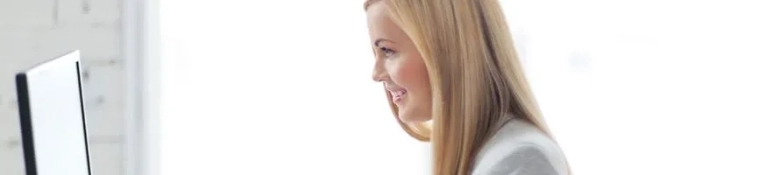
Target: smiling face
x,y
399,66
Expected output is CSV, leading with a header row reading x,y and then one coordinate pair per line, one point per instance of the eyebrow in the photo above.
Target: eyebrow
x,y
376,43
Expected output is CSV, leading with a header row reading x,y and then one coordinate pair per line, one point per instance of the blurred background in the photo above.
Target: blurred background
x,y
283,87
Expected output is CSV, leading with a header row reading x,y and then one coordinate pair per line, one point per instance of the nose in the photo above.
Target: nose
x,y
379,73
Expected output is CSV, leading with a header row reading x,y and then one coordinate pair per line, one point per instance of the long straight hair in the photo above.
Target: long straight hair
x,y
475,76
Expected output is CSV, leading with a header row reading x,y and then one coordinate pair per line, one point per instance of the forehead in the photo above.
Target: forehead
x,y
380,25
377,8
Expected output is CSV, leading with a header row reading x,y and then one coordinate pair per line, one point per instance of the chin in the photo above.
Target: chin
x,y
411,118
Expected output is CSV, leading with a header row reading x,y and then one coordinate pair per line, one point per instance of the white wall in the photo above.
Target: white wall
x,y
657,87
36,30
275,87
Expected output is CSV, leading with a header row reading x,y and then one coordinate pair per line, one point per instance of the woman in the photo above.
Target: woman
x,y
452,77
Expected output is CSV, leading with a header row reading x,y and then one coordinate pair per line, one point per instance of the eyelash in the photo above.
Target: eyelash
x,y
387,52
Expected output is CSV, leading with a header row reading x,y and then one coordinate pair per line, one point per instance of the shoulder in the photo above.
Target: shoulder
x,y
520,148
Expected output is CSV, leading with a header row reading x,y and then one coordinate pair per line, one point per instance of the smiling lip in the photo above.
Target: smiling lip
x,y
397,95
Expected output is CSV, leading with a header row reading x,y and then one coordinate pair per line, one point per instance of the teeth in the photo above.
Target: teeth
x,y
398,93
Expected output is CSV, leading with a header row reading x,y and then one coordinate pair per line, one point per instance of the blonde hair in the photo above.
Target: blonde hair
x,y
475,75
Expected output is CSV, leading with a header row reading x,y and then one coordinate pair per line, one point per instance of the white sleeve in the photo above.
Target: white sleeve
x,y
522,160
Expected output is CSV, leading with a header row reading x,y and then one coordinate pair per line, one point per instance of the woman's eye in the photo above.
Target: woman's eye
x,y
387,52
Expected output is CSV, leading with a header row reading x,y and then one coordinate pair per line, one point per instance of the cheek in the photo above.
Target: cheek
x,y
411,74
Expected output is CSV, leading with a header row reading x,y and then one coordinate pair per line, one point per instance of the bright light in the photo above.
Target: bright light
x,y
658,87
276,87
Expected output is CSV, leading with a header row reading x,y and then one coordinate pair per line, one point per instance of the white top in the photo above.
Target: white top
x,y
520,148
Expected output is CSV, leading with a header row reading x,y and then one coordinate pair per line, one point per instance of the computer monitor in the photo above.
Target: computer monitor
x,y
53,122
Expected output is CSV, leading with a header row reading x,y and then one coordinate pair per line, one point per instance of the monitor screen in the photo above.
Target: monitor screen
x,y
52,118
